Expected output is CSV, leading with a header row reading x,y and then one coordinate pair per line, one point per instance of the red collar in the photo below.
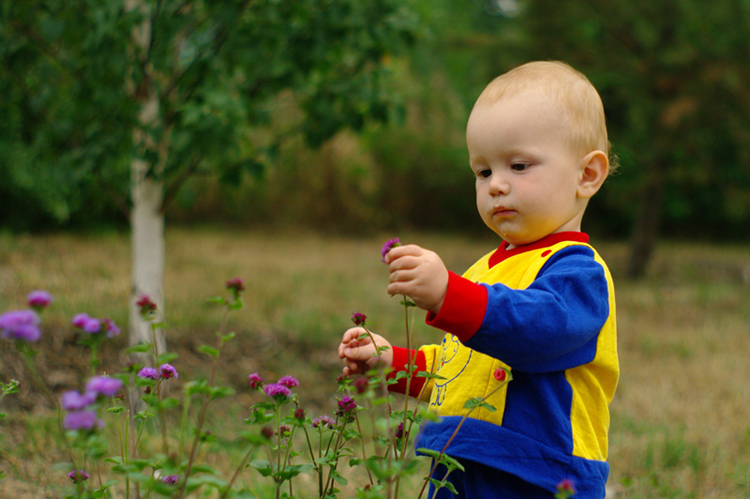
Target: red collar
x,y
502,253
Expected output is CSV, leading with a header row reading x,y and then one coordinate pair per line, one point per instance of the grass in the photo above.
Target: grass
x,y
680,419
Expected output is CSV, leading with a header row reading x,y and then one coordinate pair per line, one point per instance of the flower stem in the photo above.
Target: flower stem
x,y
458,427
204,408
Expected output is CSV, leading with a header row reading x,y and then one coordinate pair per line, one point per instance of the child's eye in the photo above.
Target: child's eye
x,y
519,167
484,173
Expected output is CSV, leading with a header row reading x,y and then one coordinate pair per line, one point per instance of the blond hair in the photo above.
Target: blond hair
x,y
579,102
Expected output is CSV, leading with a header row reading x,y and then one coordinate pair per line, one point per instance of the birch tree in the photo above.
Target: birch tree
x,y
135,96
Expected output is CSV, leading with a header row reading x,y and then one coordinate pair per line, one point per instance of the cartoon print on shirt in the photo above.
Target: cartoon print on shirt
x,y
448,352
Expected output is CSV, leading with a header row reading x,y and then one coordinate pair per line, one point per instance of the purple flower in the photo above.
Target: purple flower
x,y
78,476
323,421
235,285
277,391
299,414
21,325
388,246
112,329
87,323
171,479
145,305
359,319
347,406
285,430
400,430
74,401
168,371
288,381
80,319
80,420
103,385
39,299
148,373
255,381
362,384
92,325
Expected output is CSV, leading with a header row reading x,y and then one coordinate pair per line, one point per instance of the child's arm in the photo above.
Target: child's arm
x,y
358,353
419,274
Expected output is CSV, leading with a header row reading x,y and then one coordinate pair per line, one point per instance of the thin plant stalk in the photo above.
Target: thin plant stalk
x,y
237,472
204,408
458,427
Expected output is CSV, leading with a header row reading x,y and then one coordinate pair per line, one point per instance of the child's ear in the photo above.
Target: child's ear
x,y
593,171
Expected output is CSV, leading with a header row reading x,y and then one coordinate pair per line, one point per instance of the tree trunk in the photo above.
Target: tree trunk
x,y
148,249
646,226
146,191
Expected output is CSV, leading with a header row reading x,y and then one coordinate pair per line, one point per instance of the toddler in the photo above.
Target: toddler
x,y
541,305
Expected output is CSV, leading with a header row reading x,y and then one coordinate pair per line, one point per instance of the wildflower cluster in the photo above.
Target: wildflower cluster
x,y
82,414
21,325
92,325
282,443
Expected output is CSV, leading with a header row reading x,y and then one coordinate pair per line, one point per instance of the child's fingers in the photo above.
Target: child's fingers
x,y
401,251
351,339
359,353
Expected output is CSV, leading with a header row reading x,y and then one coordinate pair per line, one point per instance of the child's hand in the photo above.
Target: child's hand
x,y
359,354
419,274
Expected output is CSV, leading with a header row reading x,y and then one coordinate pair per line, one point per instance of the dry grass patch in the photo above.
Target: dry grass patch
x,y
680,419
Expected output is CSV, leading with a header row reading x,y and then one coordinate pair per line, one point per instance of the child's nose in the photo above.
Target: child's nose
x,y
499,184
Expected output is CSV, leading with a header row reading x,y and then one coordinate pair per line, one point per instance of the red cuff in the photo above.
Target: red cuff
x,y
400,363
463,309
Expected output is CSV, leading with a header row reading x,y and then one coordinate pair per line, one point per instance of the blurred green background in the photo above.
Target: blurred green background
x,y
349,116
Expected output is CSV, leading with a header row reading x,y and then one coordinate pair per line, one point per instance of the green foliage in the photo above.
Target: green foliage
x,y
78,84
674,80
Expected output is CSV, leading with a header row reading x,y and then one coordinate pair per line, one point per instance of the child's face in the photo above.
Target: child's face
x,y
527,174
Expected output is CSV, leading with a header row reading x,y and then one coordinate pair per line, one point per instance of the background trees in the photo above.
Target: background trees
x,y
238,86
115,104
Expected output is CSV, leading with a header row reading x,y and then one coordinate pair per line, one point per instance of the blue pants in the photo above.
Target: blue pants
x,y
483,482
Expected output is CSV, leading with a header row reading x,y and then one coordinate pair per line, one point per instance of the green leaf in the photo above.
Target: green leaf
x,y
263,467
166,358
204,468
139,348
169,403
220,391
228,337
209,350
475,402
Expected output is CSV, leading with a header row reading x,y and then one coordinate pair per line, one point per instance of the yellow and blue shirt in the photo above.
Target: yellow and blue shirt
x,y
546,311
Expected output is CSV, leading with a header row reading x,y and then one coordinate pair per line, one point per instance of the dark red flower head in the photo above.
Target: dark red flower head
x,y
359,318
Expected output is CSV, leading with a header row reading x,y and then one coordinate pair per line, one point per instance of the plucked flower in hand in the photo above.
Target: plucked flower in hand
x,y
359,319
388,246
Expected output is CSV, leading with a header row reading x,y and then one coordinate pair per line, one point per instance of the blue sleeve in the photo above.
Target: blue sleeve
x,y
554,323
